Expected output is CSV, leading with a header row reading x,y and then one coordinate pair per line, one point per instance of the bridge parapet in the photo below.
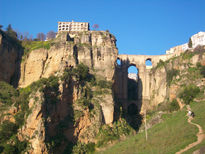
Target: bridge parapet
x,y
139,60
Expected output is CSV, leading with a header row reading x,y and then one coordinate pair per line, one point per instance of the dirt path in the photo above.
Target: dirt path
x,y
200,135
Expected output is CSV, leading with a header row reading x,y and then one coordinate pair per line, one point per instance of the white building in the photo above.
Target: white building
x,y
197,39
73,26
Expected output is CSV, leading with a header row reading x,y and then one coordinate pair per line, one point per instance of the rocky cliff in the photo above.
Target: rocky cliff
x,y
169,77
95,49
10,58
65,94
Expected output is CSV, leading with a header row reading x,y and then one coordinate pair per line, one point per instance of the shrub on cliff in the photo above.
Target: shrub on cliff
x,y
7,93
104,84
81,148
170,75
201,68
174,106
189,93
203,71
107,133
81,72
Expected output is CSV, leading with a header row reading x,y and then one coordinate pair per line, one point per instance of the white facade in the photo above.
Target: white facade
x,y
73,26
197,39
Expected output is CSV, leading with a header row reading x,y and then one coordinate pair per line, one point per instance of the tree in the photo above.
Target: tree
x,y
190,43
41,36
9,28
1,26
95,26
50,35
25,36
11,32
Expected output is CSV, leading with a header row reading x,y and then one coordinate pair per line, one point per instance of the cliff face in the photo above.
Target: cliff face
x,y
10,58
81,108
94,49
169,77
75,100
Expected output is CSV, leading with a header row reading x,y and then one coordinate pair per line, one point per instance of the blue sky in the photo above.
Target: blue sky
x,y
140,26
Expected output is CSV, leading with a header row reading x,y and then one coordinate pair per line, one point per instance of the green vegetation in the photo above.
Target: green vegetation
x,y
8,130
10,38
174,106
189,93
7,93
201,69
170,75
106,134
81,72
82,148
160,64
90,92
187,55
33,45
169,134
198,108
19,99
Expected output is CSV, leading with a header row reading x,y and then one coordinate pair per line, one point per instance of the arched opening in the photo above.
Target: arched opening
x,y
148,62
132,83
118,62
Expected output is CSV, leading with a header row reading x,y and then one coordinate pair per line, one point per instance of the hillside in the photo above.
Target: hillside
x,y
186,85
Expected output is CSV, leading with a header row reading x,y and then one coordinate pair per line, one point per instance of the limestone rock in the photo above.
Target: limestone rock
x,y
10,56
95,49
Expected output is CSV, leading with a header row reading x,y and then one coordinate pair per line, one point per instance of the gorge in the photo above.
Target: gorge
x,y
75,89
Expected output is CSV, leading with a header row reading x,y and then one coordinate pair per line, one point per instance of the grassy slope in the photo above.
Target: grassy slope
x,y
198,109
166,137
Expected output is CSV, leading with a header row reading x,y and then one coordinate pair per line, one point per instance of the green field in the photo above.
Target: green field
x,y
173,134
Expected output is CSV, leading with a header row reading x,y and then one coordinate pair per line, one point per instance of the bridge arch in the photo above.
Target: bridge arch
x,y
118,62
121,76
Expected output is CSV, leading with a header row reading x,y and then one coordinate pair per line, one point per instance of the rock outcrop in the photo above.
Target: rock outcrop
x,y
10,59
94,49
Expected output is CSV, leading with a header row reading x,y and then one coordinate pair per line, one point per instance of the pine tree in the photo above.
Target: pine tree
x,y
190,43
11,32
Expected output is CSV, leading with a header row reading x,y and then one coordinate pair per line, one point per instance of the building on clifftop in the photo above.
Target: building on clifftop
x,y
73,26
197,40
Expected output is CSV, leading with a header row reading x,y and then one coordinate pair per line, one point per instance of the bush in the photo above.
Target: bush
x,y
160,64
107,133
7,93
170,75
189,93
174,106
104,84
16,146
82,148
7,129
81,72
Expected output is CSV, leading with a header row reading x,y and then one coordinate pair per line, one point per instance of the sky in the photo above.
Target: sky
x,y
147,27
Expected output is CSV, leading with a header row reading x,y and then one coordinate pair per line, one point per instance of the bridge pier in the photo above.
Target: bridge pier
x,y
144,80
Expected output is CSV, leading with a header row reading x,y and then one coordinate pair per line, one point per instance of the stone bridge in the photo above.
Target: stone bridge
x,y
144,81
